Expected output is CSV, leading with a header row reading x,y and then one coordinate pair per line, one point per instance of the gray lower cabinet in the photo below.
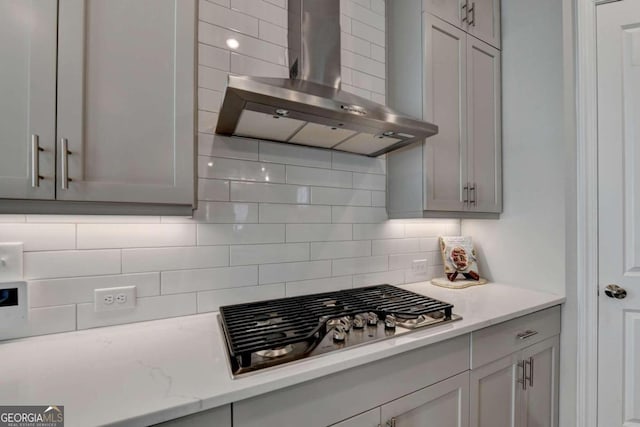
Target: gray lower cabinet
x,y
121,128
519,389
216,417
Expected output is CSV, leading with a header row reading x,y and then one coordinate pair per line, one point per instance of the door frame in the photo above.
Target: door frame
x,y
587,212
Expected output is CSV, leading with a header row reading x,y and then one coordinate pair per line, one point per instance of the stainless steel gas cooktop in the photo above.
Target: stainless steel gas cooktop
x,y
269,333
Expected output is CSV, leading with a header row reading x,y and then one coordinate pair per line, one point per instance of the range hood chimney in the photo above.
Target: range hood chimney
x,y
309,108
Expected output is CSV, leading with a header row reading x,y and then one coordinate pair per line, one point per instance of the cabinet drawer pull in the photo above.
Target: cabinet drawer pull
x,y
473,198
472,11
523,380
526,334
35,161
464,11
391,422
530,363
466,194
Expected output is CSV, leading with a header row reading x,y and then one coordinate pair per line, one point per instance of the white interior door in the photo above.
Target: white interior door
x,y
618,37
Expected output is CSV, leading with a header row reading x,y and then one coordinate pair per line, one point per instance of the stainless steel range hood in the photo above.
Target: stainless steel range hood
x,y
309,108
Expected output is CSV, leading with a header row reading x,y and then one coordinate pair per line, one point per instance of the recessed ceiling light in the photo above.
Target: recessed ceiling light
x,y
233,43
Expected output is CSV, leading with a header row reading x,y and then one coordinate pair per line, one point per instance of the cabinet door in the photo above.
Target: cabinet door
x,y
444,98
495,393
367,419
28,98
484,21
445,404
126,100
484,137
217,417
540,403
447,10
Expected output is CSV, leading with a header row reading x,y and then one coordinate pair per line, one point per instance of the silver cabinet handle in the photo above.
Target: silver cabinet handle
x,y
64,163
530,363
466,196
523,380
391,422
526,334
473,198
35,161
472,11
464,7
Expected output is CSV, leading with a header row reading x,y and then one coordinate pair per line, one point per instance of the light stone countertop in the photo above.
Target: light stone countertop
x,y
145,373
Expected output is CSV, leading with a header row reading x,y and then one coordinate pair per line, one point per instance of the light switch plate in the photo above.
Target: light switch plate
x,y
11,262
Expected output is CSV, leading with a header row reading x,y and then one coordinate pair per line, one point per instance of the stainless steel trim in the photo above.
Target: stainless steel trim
x,y
35,161
523,368
64,163
472,11
526,334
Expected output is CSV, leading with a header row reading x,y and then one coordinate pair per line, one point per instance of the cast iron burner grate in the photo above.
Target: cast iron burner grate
x,y
276,323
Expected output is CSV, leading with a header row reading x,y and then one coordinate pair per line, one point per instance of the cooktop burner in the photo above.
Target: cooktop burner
x,y
269,333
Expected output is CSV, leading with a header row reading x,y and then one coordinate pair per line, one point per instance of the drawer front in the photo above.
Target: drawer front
x,y
500,340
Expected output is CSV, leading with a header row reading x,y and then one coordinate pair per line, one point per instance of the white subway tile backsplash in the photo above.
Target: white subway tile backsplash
x,y
40,237
279,213
148,308
386,230
372,264
370,279
294,155
368,181
213,190
51,265
217,36
320,177
224,234
81,289
105,236
242,170
213,300
272,219
394,246
318,232
214,57
176,282
267,254
305,287
346,249
356,163
339,196
162,259
226,212
225,17
273,193
224,146
294,271
350,214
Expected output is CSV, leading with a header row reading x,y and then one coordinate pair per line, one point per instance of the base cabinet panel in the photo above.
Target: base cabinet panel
x,y
540,400
445,404
216,417
494,400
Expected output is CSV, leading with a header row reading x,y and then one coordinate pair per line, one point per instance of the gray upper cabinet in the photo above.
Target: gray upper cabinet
x,y
481,18
458,172
126,101
27,100
111,106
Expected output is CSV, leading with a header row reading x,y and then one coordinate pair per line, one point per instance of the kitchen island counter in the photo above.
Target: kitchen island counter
x,y
145,373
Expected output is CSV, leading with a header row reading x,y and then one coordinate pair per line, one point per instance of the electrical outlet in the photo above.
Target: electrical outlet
x,y
419,267
111,299
10,262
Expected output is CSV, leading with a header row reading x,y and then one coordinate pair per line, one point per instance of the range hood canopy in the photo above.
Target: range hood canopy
x,y
309,108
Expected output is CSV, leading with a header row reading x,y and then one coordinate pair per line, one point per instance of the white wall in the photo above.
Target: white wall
x,y
526,247
274,220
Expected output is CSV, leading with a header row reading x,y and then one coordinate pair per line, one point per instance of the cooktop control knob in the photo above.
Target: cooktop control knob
x,y
390,322
359,321
372,319
339,334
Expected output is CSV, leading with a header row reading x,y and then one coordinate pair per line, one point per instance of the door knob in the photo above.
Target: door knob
x,y
615,291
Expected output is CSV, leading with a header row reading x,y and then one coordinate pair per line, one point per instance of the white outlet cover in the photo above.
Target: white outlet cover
x,y
106,299
11,268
